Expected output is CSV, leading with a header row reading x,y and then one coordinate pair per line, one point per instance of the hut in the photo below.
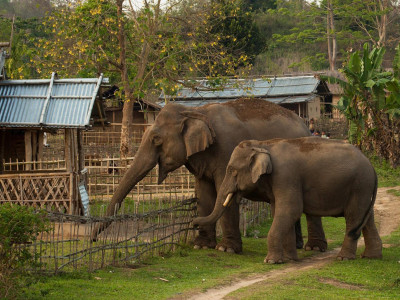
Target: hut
x,y
306,95
28,110
107,138
337,93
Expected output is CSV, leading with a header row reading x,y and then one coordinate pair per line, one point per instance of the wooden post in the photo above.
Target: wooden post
x,y
67,150
35,148
40,146
75,152
2,141
81,154
28,149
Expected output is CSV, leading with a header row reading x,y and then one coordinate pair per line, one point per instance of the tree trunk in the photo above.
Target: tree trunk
x,y
381,22
331,37
127,112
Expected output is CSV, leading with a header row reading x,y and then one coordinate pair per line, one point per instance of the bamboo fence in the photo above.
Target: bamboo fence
x,y
153,219
130,238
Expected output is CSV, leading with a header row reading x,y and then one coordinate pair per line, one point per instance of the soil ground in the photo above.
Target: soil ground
x,y
387,217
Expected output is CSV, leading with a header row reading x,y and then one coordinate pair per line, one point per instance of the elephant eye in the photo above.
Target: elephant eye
x,y
234,173
157,140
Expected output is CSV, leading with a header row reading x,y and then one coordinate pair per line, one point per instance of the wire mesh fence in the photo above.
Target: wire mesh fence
x,y
153,218
131,237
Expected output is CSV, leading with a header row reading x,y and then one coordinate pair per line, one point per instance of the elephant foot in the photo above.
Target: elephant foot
x,y
372,254
344,256
229,246
291,256
316,245
273,260
341,258
204,243
299,244
197,247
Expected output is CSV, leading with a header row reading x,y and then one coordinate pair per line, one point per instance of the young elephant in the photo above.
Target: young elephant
x,y
312,175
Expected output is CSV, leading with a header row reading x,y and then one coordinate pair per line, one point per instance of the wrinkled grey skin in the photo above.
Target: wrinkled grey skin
x,y
312,175
203,139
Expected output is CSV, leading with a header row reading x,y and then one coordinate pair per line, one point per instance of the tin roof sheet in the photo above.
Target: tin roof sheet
x,y
276,100
56,103
259,87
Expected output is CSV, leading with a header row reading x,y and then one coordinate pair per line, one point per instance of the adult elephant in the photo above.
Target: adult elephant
x,y
203,139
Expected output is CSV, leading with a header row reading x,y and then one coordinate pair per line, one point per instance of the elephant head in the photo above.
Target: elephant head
x,y
246,165
177,133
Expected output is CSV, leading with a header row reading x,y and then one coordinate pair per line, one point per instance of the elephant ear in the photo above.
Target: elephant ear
x,y
197,132
260,163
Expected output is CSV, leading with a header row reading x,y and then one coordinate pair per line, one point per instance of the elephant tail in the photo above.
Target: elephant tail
x,y
356,232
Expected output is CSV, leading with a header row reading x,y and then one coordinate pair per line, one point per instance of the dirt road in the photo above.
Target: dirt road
x,y
387,215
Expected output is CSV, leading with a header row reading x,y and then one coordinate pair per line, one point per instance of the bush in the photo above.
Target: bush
x,y
19,226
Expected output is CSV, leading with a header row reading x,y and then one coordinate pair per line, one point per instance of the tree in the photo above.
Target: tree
x,y
233,23
339,24
155,46
371,102
25,9
331,35
372,17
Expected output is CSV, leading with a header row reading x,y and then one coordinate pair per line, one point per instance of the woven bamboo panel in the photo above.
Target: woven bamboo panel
x,y
51,191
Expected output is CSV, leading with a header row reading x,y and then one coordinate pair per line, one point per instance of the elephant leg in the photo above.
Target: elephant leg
x,y
231,237
299,235
349,247
373,242
206,200
297,229
290,244
281,236
316,235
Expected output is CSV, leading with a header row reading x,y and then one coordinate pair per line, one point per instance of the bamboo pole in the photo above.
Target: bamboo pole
x,y
28,148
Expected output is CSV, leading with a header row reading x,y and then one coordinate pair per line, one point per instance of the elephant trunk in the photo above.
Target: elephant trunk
x,y
142,165
219,209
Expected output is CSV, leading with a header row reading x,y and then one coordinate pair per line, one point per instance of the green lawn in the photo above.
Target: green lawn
x,y
185,272
189,271
356,279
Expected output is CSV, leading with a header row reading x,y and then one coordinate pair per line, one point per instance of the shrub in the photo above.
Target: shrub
x,y
19,226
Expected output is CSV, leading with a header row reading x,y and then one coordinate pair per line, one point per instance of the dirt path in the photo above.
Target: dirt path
x,y
387,215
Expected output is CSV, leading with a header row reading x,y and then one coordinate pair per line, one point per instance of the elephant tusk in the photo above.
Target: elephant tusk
x,y
228,199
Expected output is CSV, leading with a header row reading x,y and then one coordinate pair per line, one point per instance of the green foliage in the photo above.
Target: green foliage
x,y
237,29
260,5
387,175
19,225
372,111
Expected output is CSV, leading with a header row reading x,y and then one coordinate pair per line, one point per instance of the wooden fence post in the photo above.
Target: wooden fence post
x,y
28,149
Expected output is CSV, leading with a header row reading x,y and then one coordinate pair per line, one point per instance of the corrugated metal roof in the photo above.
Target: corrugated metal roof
x,y
276,100
55,103
259,87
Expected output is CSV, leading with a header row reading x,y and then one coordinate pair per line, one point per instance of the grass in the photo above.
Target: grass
x,y
394,192
359,279
387,176
189,271
98,207
184,272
